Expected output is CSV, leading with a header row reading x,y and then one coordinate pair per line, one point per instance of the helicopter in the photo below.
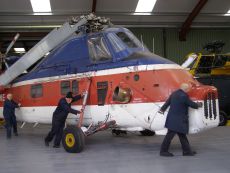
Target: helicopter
x,y
124,83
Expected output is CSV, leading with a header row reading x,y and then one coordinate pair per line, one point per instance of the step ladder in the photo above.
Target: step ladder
x,y
48,43
86,95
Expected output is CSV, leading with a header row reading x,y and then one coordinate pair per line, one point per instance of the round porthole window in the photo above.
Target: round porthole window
x,y
136,77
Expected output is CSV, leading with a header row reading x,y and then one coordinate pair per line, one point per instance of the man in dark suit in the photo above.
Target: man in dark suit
x,y
59,118
9,115
177,120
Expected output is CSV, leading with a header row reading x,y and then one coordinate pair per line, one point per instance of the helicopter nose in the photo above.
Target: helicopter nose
x,y
209,97
210,104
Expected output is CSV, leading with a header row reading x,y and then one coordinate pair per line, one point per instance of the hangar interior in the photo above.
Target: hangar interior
x,y
169,28
159,29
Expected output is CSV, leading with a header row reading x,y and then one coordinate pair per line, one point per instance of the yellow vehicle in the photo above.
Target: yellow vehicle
x,y
213,69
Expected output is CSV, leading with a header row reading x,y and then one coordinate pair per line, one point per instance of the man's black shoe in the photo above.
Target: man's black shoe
x,y
192,153
166,154
46,143
56,146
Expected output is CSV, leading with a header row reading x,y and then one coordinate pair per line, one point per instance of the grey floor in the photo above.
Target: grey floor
x,y
107,154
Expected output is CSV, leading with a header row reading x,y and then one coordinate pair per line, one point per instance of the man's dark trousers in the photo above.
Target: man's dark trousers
x,y
57,131
10,123
183,140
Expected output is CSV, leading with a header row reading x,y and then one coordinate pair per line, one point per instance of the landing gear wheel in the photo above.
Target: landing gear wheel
x,y
223,118
73,139
147,133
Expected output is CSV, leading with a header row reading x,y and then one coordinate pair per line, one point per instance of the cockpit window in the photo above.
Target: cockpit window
x,y
219,61
98,50
115,42
205,65
124,37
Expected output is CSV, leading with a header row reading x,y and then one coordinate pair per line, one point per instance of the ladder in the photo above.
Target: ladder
x,y
86,95
48,43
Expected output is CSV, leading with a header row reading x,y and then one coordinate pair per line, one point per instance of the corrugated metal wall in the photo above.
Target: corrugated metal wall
x,y
177,50
148,35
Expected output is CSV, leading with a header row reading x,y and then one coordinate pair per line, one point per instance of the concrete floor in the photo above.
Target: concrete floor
x,y
107,154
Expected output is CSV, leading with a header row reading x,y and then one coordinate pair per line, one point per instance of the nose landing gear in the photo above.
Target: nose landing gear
x,y
73,139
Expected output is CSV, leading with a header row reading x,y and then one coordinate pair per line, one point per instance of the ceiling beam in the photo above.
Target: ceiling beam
x,y
188,22
94,6
8,36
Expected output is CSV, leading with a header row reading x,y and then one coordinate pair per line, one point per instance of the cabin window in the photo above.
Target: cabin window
x,y
102,88
136,77
75,87
98,49
36,91
124,37
220,61
65,87
115,42
205,65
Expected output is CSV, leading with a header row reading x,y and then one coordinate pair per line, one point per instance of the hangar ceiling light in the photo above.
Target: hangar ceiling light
x,y
228,13
41,6
145,6
20,50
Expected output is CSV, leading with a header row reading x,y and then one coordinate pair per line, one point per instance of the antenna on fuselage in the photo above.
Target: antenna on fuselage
x,y
142,43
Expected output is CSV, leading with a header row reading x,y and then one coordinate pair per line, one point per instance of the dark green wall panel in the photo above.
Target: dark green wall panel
x,y
147,35
195,41
176,50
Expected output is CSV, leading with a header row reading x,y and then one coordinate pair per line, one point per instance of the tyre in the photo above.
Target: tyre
x,y
73,139
223,118
147,133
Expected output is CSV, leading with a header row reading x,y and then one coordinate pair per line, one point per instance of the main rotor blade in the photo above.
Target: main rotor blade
x,y
12,43
48,43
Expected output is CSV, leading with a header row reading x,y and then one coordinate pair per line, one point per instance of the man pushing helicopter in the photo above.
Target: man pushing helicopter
x,y
59,117
177,120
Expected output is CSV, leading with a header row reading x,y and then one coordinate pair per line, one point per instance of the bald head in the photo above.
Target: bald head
x,y
185,87
9,96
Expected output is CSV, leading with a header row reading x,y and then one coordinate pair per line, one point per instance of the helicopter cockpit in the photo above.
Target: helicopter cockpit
x,y
104,46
